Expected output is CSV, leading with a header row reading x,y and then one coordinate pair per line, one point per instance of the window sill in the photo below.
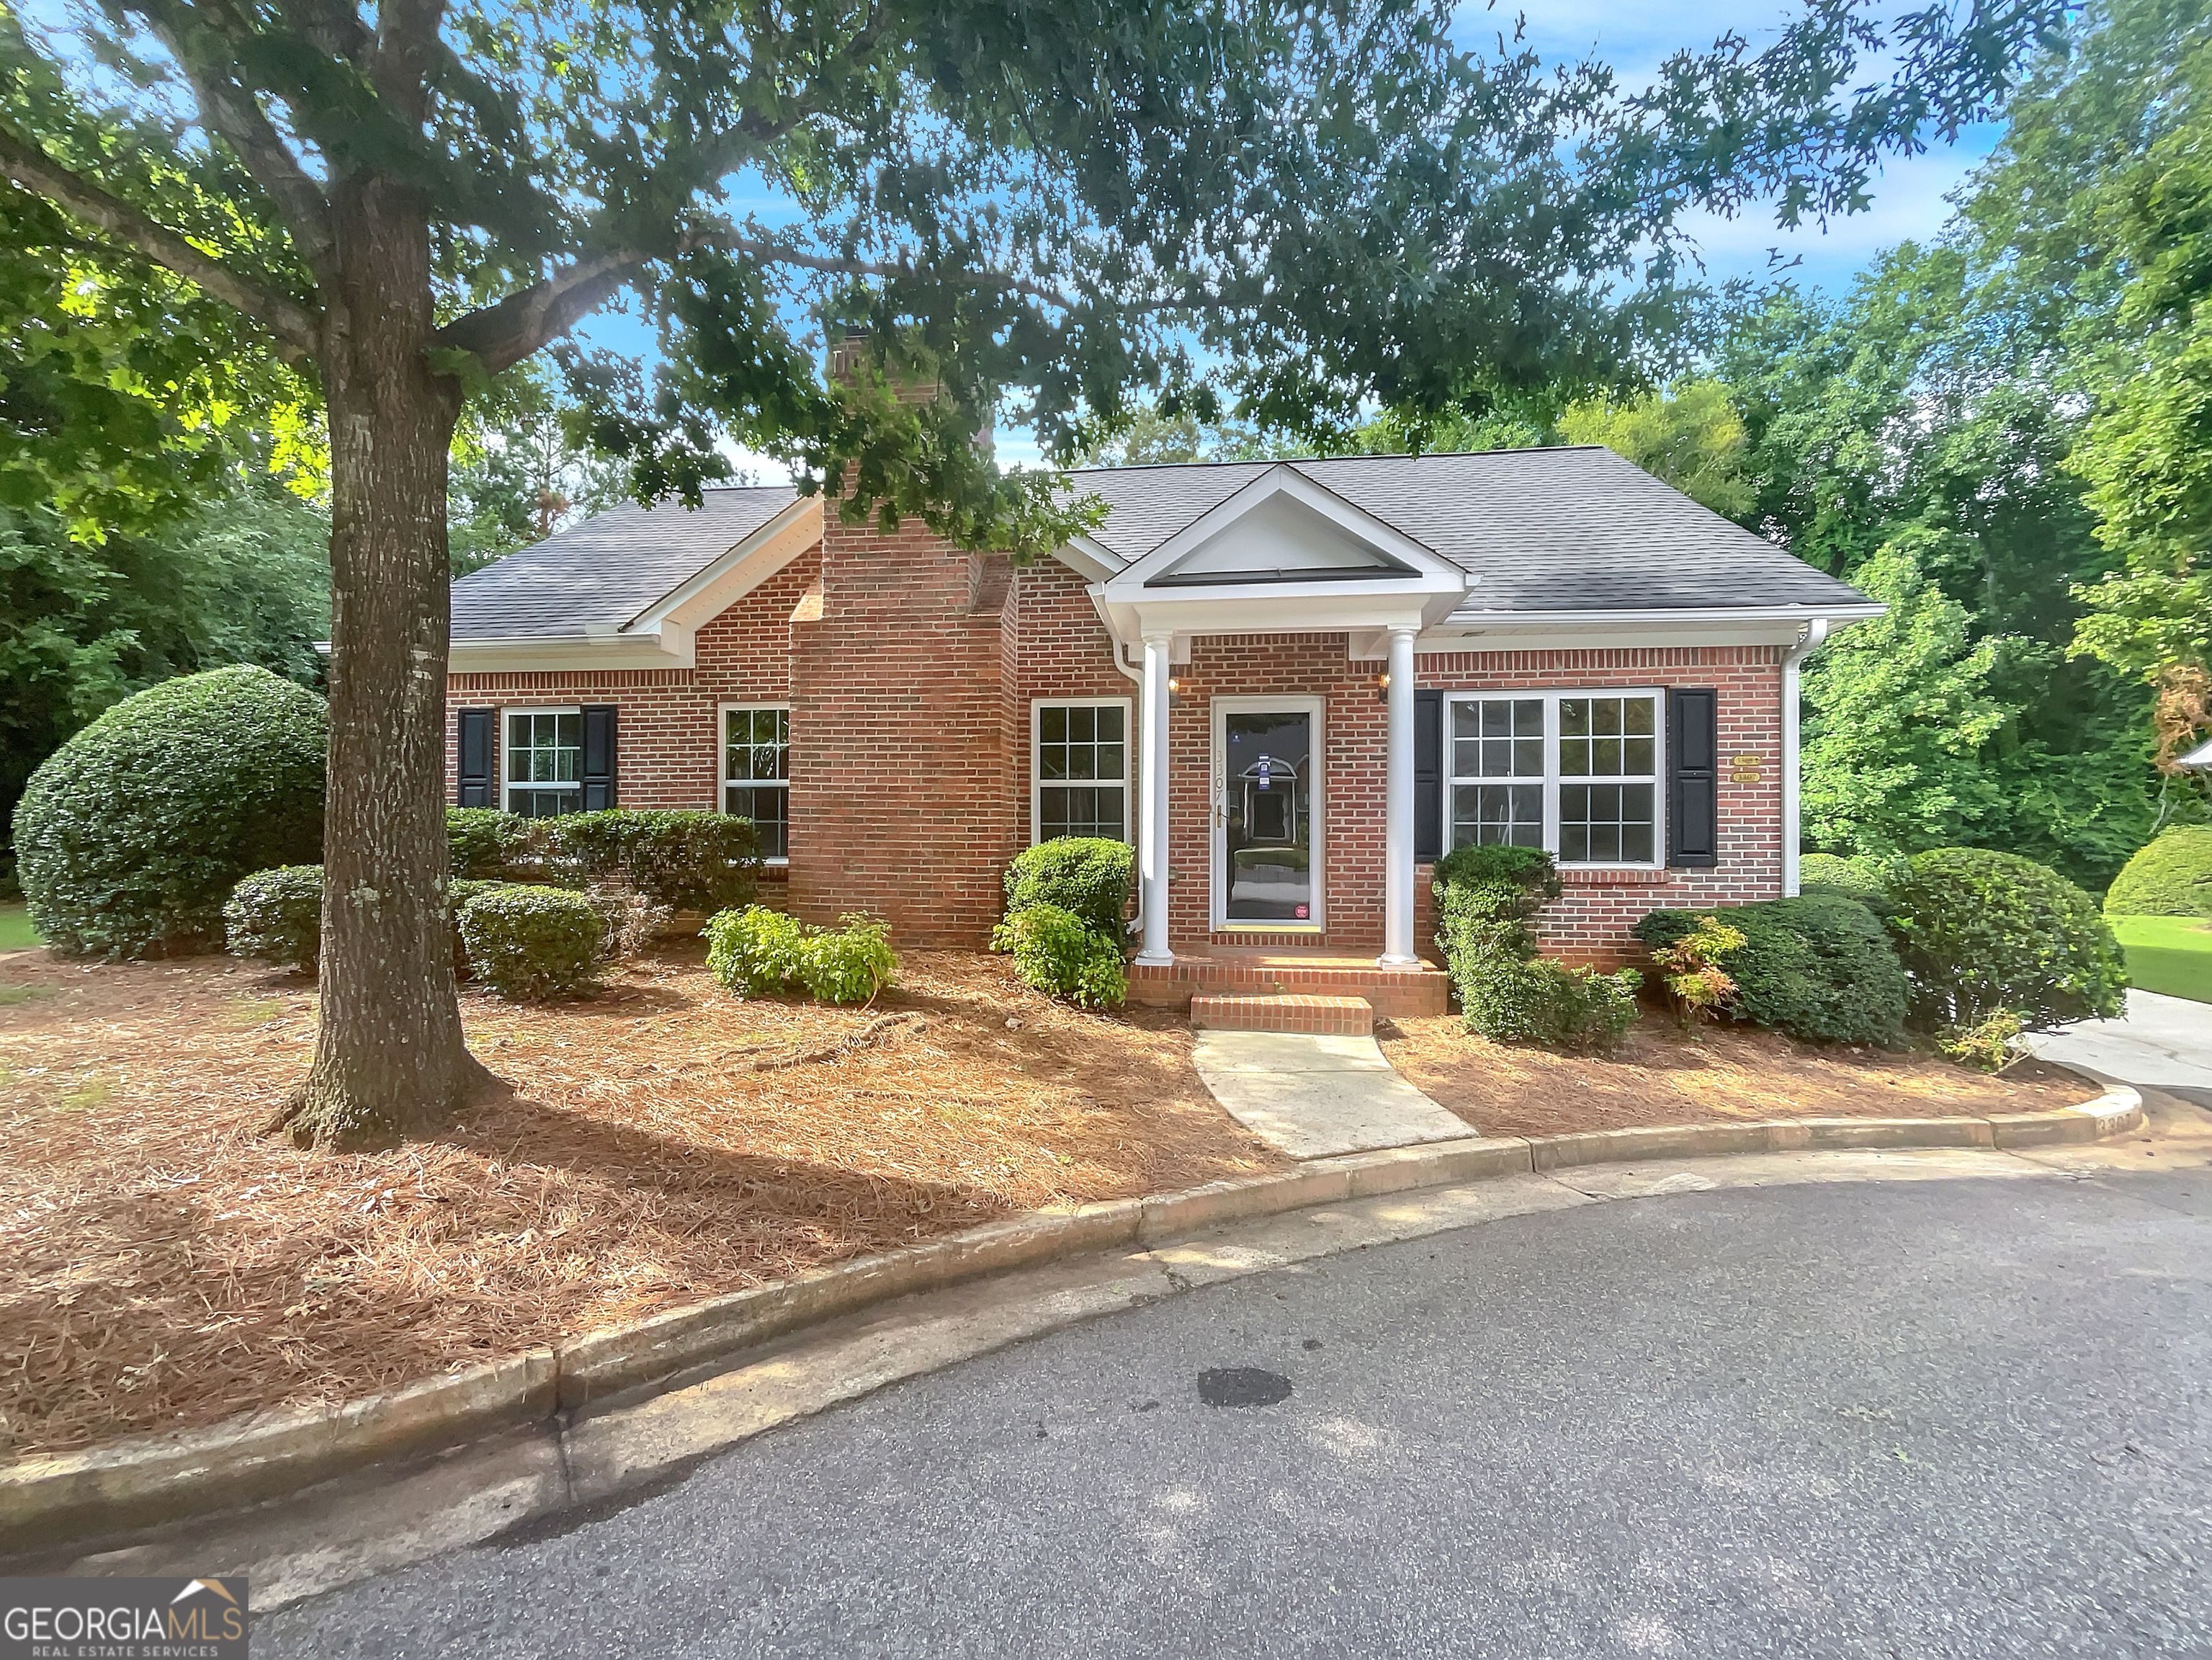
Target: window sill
x,y
1613,876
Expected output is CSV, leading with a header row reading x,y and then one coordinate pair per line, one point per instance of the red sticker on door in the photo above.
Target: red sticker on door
x,y
1300,913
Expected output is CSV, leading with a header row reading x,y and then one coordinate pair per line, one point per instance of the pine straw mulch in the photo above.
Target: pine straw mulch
x,y
1661,1075
169,1266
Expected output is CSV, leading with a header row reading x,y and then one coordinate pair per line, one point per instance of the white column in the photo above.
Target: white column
x,y
1398,831
1153,840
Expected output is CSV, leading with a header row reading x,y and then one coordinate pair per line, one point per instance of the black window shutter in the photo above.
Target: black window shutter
x,y
599,757
1428,776
476,752
1693,778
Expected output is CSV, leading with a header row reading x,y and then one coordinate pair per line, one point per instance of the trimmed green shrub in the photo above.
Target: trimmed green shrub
x,y
848,963
457,895
1057,953
1087,875
532,943
1858,877
129,838
759,952
277,915
487,845
756,951
2169,876
1485,895
1818,967
1981,931
685,859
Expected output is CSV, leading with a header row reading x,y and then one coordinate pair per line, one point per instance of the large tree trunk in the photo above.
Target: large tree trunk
x,y
390,1060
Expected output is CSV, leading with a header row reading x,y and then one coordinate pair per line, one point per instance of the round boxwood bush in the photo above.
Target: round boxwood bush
x,y
531,944
1981,931
1819,967
2170,877
130,837
1087,875
277,916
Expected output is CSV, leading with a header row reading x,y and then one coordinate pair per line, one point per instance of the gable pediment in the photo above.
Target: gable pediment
x,y
1281,539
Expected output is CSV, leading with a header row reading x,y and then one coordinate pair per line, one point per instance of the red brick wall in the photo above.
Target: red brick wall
x,y
669,753
1590,922
903,738
1060,649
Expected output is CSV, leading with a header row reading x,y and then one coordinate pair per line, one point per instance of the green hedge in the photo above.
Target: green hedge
x,y
532,943
129,838
486,845
759,952
1485,895
1982,932
2172,876
457,895
1057,952
1818,967
277,915
1087,875
686,859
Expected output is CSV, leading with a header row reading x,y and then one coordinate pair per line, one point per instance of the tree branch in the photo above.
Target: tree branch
x,y
234,115
297,329
503,335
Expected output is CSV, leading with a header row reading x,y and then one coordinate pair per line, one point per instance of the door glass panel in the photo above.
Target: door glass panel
x,y
1268,773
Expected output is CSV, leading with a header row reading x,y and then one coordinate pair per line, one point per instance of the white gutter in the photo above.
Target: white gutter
x,y
1480,621
1816,633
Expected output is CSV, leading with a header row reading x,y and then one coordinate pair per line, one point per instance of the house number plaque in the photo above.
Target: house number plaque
x,y
1745,770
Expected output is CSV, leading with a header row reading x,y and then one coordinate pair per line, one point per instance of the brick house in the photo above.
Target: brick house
x,y
1291,684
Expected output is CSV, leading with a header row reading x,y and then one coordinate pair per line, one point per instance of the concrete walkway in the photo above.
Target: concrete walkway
x,y
1314,1097
2164,1043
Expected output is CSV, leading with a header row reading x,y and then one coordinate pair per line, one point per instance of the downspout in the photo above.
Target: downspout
x,y
1135,674
1816,633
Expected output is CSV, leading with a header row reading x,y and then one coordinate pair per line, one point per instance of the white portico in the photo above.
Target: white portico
x,y
1280,555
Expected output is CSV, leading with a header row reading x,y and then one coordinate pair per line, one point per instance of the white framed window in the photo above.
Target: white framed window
x,y
542,768
1575,772
1079,768
756,773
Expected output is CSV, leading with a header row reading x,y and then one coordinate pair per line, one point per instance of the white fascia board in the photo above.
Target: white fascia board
x,y
1625,630
1283,479
1471,621
1088,559
572,653
708,593
1280,608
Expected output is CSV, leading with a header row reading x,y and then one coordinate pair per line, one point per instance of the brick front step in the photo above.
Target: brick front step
x,y
1332,1016
1391,993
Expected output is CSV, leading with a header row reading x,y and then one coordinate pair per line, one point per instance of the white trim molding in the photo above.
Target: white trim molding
x,y
1316,784
1551,780
1038,784
724,783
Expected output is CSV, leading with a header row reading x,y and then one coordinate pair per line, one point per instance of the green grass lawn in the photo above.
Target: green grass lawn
x,y
16,929
2168,954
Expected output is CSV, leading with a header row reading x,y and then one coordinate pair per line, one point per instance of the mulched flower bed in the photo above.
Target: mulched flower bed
x,y
168,1265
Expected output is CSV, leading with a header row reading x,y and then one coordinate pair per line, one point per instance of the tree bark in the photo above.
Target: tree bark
x,y
390,1059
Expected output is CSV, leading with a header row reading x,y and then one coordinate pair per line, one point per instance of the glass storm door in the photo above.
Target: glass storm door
x,y
1267,798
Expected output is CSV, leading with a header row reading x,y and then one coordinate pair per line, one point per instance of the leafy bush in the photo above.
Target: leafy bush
x,y
1485,895
1989,1047
759,952
1691,968
1982,931
457,895
2172,876
487,845
532,943
1057,953
756,951
130,837
685,859
1818,967
848,963
1087,875
277,916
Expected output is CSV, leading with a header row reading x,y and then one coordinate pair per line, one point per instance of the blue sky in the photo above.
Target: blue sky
x,y
1634,36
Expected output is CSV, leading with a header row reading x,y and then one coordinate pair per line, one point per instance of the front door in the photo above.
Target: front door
x,y
1266,814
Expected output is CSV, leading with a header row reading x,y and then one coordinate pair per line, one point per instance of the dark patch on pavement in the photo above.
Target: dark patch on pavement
x,y
1242,1386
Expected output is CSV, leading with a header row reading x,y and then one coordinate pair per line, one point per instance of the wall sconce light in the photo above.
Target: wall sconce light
x,y
1382,687
1175,693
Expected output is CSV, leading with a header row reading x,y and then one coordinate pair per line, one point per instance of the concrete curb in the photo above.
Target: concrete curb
x,y
47,1503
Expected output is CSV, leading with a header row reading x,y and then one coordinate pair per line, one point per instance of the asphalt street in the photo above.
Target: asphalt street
x,y
1959,1417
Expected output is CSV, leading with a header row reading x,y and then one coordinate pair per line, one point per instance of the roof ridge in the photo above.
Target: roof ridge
x,y
1355,455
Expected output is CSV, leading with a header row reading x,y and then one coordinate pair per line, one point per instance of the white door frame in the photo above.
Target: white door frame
x,y
1217,816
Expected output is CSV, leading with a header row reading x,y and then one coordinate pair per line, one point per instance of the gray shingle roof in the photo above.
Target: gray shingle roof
x,y
1546,530
610,568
